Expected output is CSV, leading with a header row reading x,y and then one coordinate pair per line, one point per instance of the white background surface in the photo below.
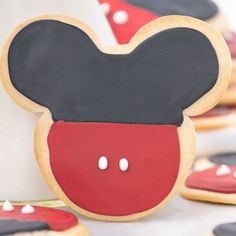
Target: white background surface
x,y
20,176
180,217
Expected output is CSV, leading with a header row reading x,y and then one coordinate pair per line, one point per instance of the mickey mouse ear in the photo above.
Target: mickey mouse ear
x,y
198,70
172,65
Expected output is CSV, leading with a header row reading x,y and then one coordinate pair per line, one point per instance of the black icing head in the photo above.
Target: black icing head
x,y
225,230
9,227
58,66
201,9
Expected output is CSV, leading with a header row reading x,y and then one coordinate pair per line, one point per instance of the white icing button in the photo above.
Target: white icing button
x,y
223,170
120,17
105,8
124,164
27,209
7,206
102,163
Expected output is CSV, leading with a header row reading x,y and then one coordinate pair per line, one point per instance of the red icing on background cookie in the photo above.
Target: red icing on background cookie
x,y
136,17
210,181
57,219
75,151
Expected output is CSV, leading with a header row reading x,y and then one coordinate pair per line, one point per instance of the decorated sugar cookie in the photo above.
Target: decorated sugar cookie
x,y
126,17
33,220
216,131
226,229
205,162
115,140
217,118
214,184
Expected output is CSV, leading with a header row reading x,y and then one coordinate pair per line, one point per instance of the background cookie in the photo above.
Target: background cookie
x,y
83,107
29,220
227,229
217,118
215,184
127,16
216,131
205,162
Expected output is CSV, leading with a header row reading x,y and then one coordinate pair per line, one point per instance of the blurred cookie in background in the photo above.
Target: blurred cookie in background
x,y
205,162
126,17
213,179
216,131
215,184
226,229
30,220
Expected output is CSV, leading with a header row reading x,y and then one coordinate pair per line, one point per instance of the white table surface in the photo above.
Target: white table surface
x,y
180,217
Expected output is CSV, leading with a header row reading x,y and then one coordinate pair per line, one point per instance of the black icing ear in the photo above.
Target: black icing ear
x,y
201,9
56,65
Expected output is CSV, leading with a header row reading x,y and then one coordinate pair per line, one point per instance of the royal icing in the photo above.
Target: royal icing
x,y
103,163
126,17
224,159
120,17
228,229
223,170
123,164
211,180
56,219
12,227
7,206
28,209
201,9
117,192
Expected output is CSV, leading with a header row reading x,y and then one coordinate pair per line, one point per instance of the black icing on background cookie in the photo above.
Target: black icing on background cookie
x,y
58,66
225,230
201,9
15,226
224,159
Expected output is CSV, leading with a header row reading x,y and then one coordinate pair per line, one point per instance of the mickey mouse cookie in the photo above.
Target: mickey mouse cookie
x,y
215,184
38,221
115,140
226,229
126,17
